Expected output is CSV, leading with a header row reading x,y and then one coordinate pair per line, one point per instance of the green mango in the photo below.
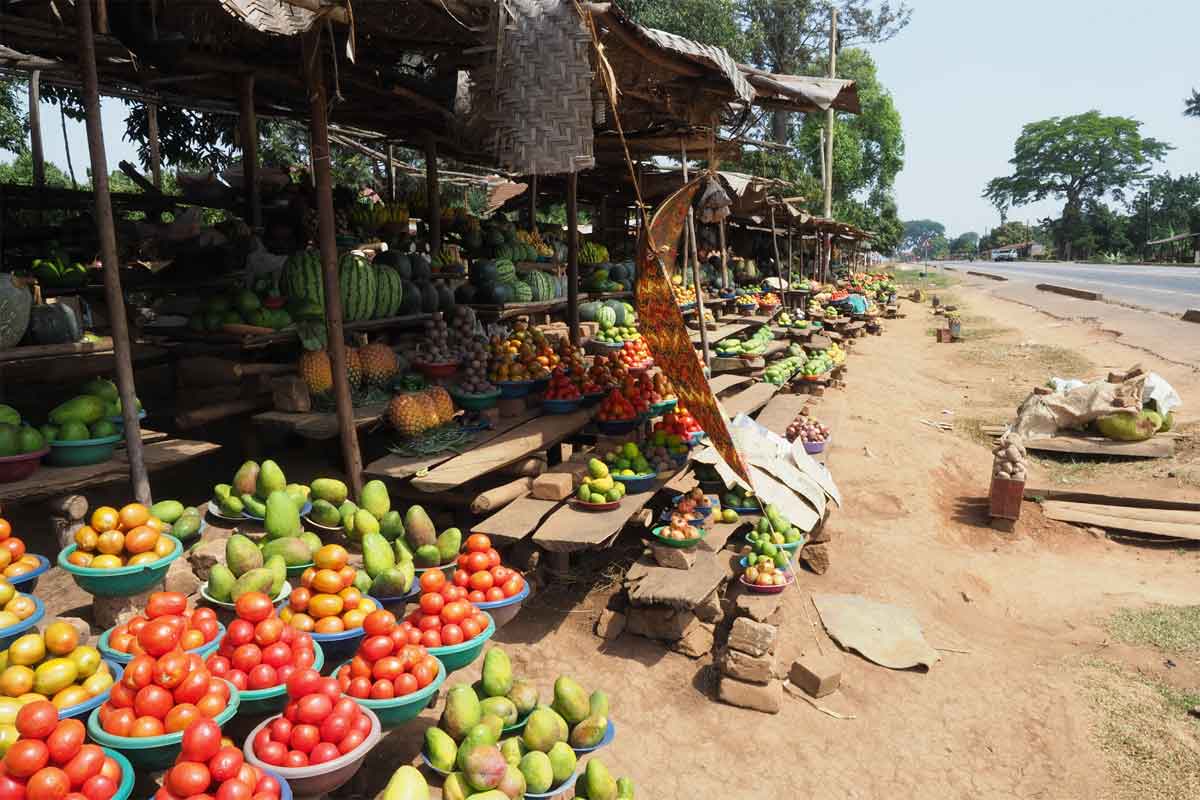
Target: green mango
x,y
241,555
270,479
570,701
391,525
427,556
483,765
364,523
278,567
187,525
597,782
402,552
462,711
313,541
231,506
490,794
220,582
418,528
9,415
440,748
102,429
563,761
624,789
254,506
282,518
393,581
346,511
30,440
84,409
362,581
49,432
70,431
167,510
291,548
524,696
256,580
480,735
455,787
448,544
598,704
513,750
501,707
103,388
245,480
374,498
378,555
493,723
542,729
512,785
221,491
8,439
330,490
407,783
539,774
325,513
589,732
298,496
497,673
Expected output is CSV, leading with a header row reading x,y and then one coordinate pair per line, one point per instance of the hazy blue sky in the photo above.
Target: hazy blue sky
x,y
967,74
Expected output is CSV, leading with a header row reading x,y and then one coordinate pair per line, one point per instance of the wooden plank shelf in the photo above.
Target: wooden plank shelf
x,y
318,425
285,336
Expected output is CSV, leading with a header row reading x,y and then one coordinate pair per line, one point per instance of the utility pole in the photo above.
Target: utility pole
x,y
833,16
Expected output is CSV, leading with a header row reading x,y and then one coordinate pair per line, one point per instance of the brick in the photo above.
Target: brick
x,y
816,556
752,669
659,622
753,638
610,625
672,557
553,486
768,698
816,673
697,640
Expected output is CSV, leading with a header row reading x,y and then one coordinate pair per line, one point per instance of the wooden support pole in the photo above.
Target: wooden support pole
x,y
724,256
433,197
62,118
828,153
791,255
319,131
533,193
573,256
35,129
248,122
391,173
155,152
775,246
691,235
113,295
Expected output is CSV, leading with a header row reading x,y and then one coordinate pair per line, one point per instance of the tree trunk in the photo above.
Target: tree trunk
x,y
779,126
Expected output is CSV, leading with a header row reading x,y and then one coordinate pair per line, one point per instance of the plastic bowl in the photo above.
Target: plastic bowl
x,y
339,645
298,570
812,448
790,547
704,512
593,399
517,726
695,438
457,656
215,511
280,598
29,581
118,657
448,568
321,779
474,402
443,370
665,407
681,544
83,451
84,708
16,468
555,791
515,388
119,419
432,768
152,752
746,509
637,483
617,427
756,589
561,406
303,511
119,581
13,632
125,789
256,702
610,733
397,604
502,611
396,711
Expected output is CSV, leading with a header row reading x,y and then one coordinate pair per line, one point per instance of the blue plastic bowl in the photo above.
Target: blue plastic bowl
x,y
609,734
118,657
257,702
119,420
285,788
456,656
398,603
555,791
618,427
704,512
637,483
561,406
152,752
695,438
81,709
29,581
515,388
340,645
502,611
13,632
746,509
125,789
396,711
119,581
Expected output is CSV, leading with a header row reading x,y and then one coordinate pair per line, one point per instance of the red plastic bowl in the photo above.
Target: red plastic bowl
x,y
437,370
18,468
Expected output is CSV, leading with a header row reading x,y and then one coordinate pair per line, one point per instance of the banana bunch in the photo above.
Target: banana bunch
x,y
375,216
593,253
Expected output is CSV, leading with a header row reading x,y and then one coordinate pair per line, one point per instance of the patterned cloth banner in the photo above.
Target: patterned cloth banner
x,y
661,323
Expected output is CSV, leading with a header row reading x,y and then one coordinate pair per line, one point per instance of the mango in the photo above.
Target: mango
x,y
418,528
294,551
490,794
298,495
169,511
99,430
406,783
402,552
597,782
589,732
220,582
393,581
313,541
624,789
524,696
539,775
391,525
245,480
69,432
563,761
478,736
278,567
270,479
448,544
512,785
241,555
325,513
103,388
598,704
364,523
362,581
346,511
254,507
282,517
570,701
187,525
221,491
455,787
497,673
374,498
484,767
331,490
440,748
232,506
462,712
513,749
378,555
542,729
256,580
427,556
493,723
501,707
84,409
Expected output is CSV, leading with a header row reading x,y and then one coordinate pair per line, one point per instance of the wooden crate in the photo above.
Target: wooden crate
x,y
1005,498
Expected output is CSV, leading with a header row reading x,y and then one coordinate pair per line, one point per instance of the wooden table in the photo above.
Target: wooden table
x,y
318,425
397,467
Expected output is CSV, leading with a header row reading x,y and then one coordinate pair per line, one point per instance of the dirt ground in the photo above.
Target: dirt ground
x,y
1034,695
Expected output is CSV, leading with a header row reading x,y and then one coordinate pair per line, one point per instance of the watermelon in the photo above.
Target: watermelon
x,y
622,318
429,297
357,284
390,292
505,271
410,300
301,277
421,269
606,316
445,298
588,311
522,293
542,286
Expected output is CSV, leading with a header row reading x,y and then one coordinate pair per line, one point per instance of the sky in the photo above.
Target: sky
x,y
966,75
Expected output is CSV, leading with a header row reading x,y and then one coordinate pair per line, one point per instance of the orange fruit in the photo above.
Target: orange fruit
x,y
140,539
111,542
5,528
86,537
105,518
325,605
163,546
328,625
61,638
366,605
20,568
327,581
348,574
80,558
331,556
16,680
132,516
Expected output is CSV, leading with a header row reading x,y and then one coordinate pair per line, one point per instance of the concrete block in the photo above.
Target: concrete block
x,y
610,625
752,638
816,673
553,486
180,578
110,611
768,698
208,552
710,610
752,669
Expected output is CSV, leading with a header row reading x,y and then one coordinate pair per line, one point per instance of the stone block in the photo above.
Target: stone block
x,y
672,557
110,611
659,622
610,625
697,641
752,638
757,697
752,669
180,578
759,607
553,486
208,552
816,673
820,535
816,556
710,610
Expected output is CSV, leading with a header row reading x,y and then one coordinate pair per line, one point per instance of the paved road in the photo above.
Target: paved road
x,y
1169,289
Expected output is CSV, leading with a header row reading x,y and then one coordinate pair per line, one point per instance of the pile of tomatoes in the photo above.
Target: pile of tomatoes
x,y
615,407
51,760
635,355
121,538
209,766
14,561
482,575
166,625
162,692
259,649
388,662
326,600
561,387
318,724
679,423
445,616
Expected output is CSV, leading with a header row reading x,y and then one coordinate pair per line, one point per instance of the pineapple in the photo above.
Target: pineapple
x,y
443,406
379,363
315,369
405,415
354,368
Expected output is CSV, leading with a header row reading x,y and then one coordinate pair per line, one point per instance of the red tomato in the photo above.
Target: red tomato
x,y
470,628
180,717
382,690
25,757
433,580
65,741
273,753
351,741
209,627
380,622
432,603
295,759
280,730
304,738
11,788
387,668
267,784
234,790
303,659
334,727
359,687
237,678
477,562
239,632
187,778
361,724
218,665
171,669
477,597
246,657
285,672
146,726
120,722
431,638
324,751
500,574
329,687
226,764
85,764
212,704
513,586
302,682
374,648
414,636
203,613
50,783
429,623
462,561
152,701
461,576
162,603
406,684
451,634
314,708
268,631
277,654
99,787
139,672
158,636
37,720
494,594
478,543
194,686
262,677
111,769
254,606
493,557
481,581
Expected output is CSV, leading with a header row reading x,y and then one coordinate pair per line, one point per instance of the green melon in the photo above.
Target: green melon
x,y
390,292
357,284
301,277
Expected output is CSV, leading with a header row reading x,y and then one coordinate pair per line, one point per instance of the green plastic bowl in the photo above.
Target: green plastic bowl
x,y
82,452
279,600
152,752
475,402
203,650
681,544
396,711
298,570
257,702
456,656
119,581
125,789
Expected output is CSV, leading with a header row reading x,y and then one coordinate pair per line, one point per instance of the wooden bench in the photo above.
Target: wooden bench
x,y
318,425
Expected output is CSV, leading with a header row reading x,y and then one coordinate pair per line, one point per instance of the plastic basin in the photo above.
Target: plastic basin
x,y
125,789
475,402
395,711
119,581
216,512
83,451
680,544
124,658
502,611
280,598
617,427
256,702
791,547
515,388
746,509
298,570
397,604
561,406
12,632
666,406
84,708
29,581
457,656
637,483
315,781
119,419
339,645
812,448
610,733
152,752
16,468
555,791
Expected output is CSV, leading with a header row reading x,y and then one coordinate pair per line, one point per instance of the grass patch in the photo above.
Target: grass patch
x,y
1142,729
932,279
1071,470
1172,628
972,429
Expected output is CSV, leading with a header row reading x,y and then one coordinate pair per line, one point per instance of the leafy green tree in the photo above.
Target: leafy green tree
x,y
1166,206
964,243
712,22
20,171
14,125
1076,159
1009,232
918,233
1191,106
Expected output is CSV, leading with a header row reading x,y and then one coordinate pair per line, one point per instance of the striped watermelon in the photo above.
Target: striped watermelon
x,y
357,284
505,271
542,286
390,292
522,293
301,277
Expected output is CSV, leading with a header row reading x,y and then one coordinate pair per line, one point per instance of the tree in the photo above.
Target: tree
x,y
1076,159
20,171
1009,232
1166,206
1191,106
965,243
712,22
14,125
918,233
